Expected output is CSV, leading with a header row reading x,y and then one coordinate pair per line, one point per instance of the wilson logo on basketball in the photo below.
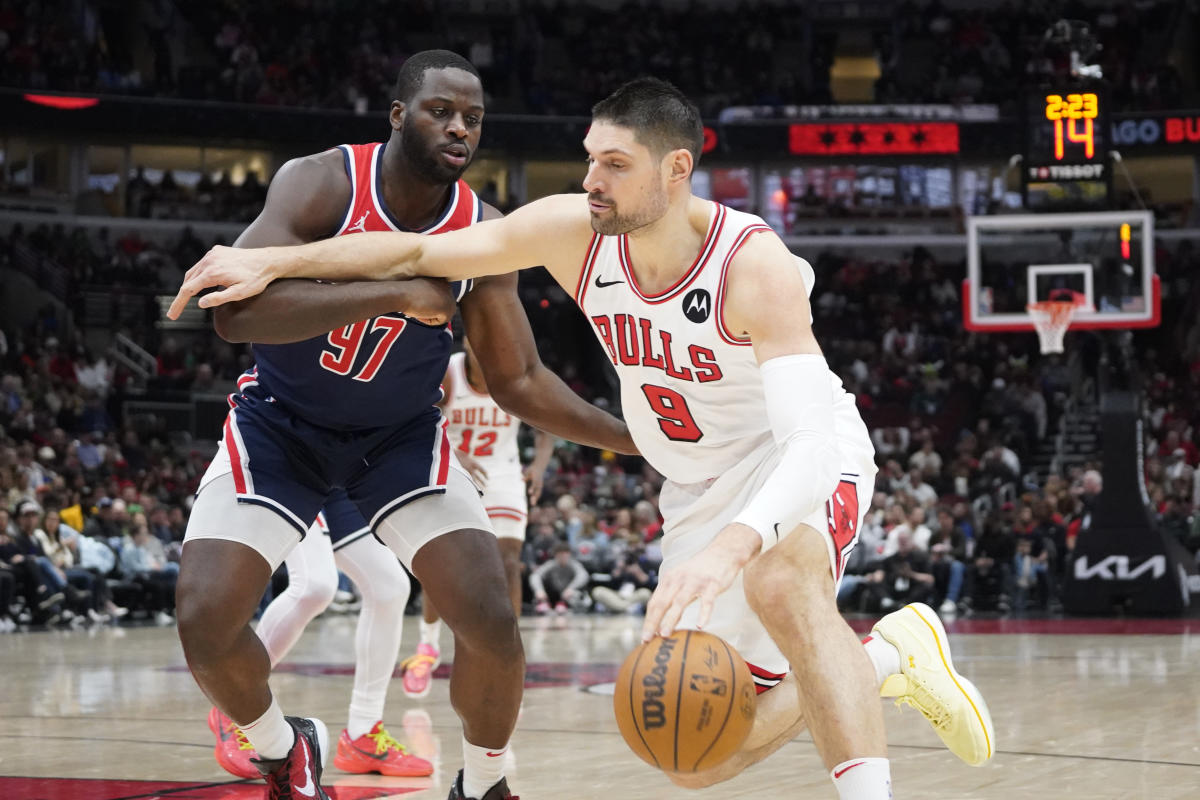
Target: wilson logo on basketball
x,y
653,711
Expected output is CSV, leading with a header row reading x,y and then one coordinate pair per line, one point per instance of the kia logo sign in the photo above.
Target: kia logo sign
x,y
710,140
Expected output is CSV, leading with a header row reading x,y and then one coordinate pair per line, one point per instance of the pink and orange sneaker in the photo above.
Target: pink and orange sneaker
x,y
378,752
418,670
233,750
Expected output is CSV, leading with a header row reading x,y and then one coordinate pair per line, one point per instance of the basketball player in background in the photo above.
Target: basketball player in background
x,y
484,436
339,540
705,315
343,397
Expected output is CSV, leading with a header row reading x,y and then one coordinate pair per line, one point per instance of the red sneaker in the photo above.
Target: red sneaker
x,y
298,774
233,750
378,752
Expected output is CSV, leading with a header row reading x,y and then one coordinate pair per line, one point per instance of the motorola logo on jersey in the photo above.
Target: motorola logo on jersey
x,y
697,305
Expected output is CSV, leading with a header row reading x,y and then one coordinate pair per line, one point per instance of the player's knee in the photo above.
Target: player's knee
x,y
490,627
798,568
205,628
313,591
387,593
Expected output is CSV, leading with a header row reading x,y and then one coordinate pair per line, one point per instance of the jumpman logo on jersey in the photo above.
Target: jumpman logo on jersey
x,y
361,225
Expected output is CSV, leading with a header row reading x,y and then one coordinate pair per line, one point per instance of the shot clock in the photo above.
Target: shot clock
x,y
1066,164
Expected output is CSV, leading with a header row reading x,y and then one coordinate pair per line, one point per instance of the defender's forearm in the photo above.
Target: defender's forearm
x,y
295,310
545,402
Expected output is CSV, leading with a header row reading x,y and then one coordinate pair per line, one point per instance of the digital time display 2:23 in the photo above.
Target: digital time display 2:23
x,y
1078,112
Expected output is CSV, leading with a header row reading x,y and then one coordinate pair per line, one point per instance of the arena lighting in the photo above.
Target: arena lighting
x,y
61,102
873,138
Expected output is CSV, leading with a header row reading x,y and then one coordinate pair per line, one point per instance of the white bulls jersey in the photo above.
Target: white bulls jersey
x,y
480,427
691,391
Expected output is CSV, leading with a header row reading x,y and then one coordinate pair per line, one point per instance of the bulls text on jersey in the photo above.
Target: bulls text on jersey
x,y
633,341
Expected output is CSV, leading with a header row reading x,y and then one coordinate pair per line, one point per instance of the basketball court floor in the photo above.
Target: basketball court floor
x,y
1083,709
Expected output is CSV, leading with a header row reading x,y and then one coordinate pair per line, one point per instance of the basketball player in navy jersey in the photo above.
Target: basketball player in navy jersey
x,y
343,397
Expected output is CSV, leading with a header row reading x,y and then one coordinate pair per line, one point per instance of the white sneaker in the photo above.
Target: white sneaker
x,y
930,684
163,618
948,608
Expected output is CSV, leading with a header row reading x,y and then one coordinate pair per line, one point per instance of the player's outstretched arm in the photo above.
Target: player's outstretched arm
x,y
518,380
548,231
295,310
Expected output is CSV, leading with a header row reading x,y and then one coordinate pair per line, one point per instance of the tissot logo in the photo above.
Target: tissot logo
x,y
697,305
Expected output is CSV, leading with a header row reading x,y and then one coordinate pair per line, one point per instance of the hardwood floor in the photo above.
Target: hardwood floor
x,y
1083,709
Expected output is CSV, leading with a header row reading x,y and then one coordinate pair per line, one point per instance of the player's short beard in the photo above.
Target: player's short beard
x,y
615,223
423,159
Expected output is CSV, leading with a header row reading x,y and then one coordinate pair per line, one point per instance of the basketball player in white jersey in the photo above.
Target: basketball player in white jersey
x,y
484,437
705,316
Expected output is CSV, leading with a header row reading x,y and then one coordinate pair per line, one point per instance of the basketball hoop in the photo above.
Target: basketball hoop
x,y
1051,318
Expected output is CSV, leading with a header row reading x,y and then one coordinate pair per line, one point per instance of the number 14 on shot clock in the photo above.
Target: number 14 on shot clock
x,y
1078,111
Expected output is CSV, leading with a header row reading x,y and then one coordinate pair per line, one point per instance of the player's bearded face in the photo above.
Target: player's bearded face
x,y
624,216
425,157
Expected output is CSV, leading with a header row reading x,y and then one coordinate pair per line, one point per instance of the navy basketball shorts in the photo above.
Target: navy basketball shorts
x,y
403,481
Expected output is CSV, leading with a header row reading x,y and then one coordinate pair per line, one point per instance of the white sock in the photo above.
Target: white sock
x,y
360,722
270,734
863,779
483,767
431,632
884,657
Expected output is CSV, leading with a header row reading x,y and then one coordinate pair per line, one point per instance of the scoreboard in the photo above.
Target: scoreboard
x,y
1066,163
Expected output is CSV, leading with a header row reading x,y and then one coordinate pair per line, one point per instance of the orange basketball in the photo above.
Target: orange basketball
x,y
684,703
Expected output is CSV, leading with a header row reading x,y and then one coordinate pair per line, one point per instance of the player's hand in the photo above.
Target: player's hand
x,y
702,577
473,467
244,272
429,300
535,480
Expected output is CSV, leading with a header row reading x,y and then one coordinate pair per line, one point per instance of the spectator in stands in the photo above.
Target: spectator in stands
x,y
907,575
142,563
103,524
1030,571
62,551
921,491
926,460
988,578
76,601
633,587
913,526
948,555
589,545
561,581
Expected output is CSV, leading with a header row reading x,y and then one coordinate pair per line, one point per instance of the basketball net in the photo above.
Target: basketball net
x,y
1051,318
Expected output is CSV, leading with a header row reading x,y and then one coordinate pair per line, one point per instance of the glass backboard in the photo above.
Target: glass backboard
x,y
1107,257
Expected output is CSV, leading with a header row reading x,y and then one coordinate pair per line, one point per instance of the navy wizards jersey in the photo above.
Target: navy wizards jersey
x,y
381,371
